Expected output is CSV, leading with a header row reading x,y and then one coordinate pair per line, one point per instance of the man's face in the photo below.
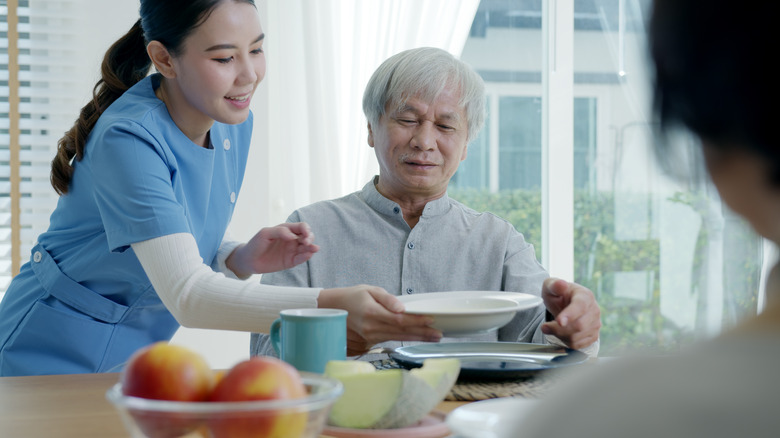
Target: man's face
x,y
419,147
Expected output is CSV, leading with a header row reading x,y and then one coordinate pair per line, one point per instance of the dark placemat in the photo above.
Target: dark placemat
x,y
473,390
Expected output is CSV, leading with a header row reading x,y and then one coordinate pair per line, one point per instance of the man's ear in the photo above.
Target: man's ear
x,y
465,152
370,136
161,58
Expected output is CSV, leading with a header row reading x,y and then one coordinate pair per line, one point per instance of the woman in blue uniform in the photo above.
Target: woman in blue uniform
x,y
148,178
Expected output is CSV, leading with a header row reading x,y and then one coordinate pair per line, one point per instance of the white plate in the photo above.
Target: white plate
x,y
464,313
494,418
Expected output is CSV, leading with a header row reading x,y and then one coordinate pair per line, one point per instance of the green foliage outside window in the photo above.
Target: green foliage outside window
x,y
634,324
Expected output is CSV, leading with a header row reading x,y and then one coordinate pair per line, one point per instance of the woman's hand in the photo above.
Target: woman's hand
x,y
376,316
273,249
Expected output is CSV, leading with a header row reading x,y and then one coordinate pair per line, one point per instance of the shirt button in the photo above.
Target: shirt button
x,y
37,256
226,144
409,290
410,245
232,197
396,210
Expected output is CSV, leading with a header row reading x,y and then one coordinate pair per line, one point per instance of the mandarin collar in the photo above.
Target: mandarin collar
x,y
385,206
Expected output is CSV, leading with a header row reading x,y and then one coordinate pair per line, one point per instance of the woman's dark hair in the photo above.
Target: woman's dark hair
x,y
126,62
712,73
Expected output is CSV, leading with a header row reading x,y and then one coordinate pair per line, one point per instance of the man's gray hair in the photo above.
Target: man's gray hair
x,y
424,73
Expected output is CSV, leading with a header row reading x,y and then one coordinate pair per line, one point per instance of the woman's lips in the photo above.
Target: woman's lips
x,y
241,101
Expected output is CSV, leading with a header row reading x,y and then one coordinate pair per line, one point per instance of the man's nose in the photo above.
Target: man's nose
x,y
424,137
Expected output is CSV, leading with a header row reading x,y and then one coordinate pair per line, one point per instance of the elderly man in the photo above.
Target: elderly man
x,y
403,233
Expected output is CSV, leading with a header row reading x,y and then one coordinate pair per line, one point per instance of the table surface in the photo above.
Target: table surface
x,y
69,406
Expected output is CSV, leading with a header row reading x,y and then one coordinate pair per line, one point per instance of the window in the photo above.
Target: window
x,y
48,37
652,248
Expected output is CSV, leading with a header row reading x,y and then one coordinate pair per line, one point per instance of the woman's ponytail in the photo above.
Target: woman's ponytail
x,y
125,63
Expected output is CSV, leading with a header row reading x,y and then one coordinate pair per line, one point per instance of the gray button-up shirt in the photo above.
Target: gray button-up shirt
x,y
364,239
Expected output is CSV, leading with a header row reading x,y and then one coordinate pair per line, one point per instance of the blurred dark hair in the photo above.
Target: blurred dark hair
x,y
124,64
712,73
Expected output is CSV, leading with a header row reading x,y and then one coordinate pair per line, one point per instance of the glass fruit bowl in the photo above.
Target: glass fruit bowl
x,y
298,418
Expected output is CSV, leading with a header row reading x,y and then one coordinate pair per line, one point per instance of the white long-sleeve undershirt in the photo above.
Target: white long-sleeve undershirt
x,y
199,297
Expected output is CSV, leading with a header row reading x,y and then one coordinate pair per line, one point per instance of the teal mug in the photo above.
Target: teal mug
x,y
308,338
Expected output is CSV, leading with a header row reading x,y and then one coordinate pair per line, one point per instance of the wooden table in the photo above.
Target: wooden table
x,y
68,406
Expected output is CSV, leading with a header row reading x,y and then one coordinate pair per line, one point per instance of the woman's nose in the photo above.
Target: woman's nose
x,y
248,72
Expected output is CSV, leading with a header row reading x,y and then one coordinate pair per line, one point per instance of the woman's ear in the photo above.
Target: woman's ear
x,y
161,58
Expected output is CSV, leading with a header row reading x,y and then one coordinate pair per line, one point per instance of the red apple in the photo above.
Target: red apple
x,y
162,371
260,378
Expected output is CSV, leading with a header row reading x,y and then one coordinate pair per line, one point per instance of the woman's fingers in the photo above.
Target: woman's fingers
x,y
376,316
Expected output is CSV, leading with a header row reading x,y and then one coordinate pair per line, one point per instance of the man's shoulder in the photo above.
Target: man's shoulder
x,y
332,212
348,202
486,217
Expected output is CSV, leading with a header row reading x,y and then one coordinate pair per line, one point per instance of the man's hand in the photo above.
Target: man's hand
x,y
577,315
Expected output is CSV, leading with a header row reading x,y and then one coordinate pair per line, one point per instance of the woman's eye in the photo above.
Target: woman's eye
x,y
258,51
223,60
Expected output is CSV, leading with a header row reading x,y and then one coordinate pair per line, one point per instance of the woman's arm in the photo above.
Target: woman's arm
x,y
199,297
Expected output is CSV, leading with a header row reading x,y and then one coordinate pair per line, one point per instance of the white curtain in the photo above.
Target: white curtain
x,y
310,133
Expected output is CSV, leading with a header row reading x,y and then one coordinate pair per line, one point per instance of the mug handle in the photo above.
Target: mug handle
x,y
275,333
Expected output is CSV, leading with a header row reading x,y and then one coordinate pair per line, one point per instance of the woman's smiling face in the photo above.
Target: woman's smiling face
x,y
220,65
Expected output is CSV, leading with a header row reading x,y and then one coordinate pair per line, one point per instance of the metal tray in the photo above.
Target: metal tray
x,y
492,360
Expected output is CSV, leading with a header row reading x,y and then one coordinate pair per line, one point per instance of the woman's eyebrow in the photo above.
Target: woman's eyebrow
x,y
232,46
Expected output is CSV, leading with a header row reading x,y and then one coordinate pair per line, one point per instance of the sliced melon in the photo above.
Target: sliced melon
x,y
336,368
391,398
440,374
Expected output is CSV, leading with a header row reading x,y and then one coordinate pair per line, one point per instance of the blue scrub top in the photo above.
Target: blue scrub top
x,y
83,302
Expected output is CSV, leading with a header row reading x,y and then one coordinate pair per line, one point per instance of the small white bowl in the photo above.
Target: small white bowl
x,y
498,417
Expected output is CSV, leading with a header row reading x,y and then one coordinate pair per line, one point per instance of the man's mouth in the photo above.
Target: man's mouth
x,y
417,162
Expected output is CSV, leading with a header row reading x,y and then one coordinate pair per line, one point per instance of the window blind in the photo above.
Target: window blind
x,y
50,74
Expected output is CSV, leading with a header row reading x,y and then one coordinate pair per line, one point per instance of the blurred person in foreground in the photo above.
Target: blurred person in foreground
x,y
711,78
403,233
